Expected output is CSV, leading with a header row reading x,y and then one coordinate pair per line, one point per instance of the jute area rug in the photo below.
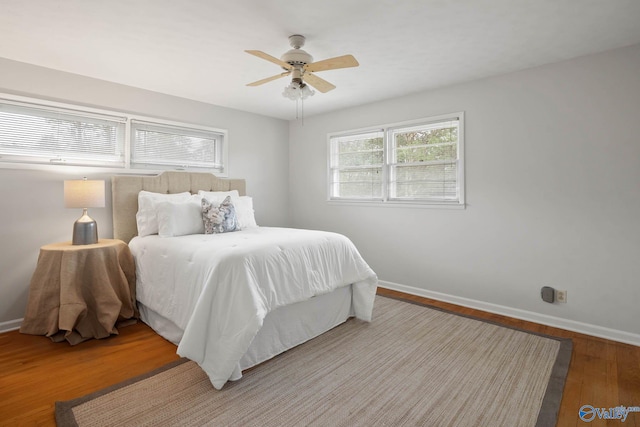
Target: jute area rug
x,y
412,366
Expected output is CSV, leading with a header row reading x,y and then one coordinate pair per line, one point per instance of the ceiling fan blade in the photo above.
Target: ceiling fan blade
x,y
268,79
318,83
344,61
269,58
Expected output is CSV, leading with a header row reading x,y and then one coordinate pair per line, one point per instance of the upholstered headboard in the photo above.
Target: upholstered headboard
x,y
125,189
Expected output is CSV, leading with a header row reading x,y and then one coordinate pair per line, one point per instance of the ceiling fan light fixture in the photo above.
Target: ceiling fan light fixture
x,y
297,91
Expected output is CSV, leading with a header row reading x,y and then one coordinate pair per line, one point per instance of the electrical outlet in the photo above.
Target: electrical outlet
x,y
561,296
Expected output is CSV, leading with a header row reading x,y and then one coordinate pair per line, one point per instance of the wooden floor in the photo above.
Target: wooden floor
x,y
35,372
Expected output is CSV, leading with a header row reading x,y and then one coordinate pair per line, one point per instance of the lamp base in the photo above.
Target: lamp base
x,y
85,230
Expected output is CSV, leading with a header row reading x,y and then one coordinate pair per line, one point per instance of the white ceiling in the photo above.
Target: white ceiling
x,y
195,48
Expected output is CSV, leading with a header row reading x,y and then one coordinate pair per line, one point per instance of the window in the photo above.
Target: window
x,y
46,135
160,146
357,163
418,162
41,132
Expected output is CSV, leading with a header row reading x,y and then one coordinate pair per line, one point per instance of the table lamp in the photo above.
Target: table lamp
x,y
83,193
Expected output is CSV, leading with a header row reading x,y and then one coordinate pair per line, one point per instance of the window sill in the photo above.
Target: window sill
x,y
397,204
87,169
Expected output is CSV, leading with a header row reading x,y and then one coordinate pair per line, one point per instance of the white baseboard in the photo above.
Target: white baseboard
x,y
530,316
11,325
556,322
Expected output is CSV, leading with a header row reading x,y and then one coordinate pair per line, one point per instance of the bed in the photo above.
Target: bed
x,y
233,300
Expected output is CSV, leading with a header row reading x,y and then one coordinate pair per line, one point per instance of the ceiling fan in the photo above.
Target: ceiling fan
x,y
299,64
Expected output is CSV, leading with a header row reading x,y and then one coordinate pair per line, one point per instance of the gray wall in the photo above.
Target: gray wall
x,y
553,189
33,213
553,192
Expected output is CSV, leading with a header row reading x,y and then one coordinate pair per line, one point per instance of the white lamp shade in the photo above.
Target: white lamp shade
x,y
82,193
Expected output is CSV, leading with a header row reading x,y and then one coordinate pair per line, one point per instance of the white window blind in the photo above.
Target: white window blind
x,y
155,145
37,134
357,163
419,161
423,162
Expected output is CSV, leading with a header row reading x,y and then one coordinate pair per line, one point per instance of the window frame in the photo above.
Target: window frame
x,y
11,162
386,200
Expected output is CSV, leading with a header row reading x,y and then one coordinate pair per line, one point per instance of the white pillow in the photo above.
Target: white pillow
x,y
244,212
217,197
180,218
146,218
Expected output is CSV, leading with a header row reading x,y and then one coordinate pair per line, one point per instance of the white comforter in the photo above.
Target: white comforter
x,y
219,288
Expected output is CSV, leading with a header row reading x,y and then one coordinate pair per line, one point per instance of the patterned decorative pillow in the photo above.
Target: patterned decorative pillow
x,y
219,218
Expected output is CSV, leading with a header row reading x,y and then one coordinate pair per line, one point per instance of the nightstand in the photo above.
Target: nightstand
x,y
79,292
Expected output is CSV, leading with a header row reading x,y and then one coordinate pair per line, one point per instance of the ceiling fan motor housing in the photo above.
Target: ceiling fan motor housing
x,y
297,57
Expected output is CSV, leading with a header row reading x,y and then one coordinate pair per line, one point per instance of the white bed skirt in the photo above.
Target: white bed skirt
x,y
283,328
